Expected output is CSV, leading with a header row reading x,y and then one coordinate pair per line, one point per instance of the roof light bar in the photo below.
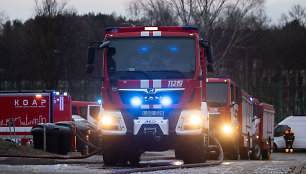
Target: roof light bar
x,y
115,29
190,28
151,28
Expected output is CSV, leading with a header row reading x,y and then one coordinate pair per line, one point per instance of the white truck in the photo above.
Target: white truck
x,y
298,126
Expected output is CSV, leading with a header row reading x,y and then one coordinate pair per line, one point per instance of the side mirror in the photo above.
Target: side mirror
x,y
89,68
208,50
104,45
91,55
238,95
209,54
210,68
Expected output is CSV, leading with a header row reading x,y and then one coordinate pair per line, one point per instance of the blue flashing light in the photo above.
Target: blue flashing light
x,y
166,101
224,76
173,49
143,49
190,28
251,98
116,29
99,101
54,92
136,101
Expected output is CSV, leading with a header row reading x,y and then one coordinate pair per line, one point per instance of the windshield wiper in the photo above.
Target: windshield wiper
x,y
139,72
171,71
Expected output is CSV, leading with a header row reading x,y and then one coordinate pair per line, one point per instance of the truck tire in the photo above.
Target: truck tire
x,y
234,154
267,153
178,153
109,156
245,151
195,152
256,151
275,149
134,157
122,156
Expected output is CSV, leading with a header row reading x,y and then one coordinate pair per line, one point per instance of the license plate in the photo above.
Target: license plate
x,y
153,113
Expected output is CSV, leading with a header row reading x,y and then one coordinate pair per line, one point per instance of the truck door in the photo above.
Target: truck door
x,y
93,113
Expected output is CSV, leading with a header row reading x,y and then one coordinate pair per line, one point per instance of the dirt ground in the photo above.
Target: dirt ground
x,y
7,147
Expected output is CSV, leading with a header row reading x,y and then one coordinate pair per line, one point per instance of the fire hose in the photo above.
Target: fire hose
x,y
77,133
84,140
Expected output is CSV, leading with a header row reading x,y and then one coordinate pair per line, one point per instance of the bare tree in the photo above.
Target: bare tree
x,y
50,7
3,19
152,12
220,21
297,12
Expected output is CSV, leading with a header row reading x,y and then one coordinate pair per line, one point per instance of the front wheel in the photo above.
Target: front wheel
x,y
109,156
266,154
256,151
245,151
194,152
234,154
134,157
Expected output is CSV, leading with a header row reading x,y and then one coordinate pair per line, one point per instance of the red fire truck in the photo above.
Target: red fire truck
x,y
154,92
242,125
87,110
264,129
20,111
267,130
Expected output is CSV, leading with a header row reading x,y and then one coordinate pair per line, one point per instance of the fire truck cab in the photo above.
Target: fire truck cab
x,y
223,100
154,92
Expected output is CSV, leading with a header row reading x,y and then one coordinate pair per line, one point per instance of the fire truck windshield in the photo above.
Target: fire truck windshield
x,y
217,94
151,58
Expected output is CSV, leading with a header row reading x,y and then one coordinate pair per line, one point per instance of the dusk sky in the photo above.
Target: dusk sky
x,y
23,9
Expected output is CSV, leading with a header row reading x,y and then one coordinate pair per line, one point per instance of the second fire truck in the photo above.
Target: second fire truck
x,y
243,126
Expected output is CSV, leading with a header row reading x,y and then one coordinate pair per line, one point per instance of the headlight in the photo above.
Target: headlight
x,y
136,101
107,120
195,120
166,101
227,129
192,122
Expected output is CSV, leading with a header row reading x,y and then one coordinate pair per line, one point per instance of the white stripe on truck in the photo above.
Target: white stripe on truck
x,y
156,83
156,33
144,83
144,33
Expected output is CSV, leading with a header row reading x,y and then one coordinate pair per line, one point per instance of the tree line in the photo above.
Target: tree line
x,y
267,60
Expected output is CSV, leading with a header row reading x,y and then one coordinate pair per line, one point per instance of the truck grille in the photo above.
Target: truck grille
x,y
171,114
